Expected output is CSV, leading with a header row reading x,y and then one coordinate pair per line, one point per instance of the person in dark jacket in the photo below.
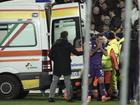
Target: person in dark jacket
x,y
60,54
133,74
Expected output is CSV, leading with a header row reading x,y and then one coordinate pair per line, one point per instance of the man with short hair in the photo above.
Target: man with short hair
x,y
60,54
96,53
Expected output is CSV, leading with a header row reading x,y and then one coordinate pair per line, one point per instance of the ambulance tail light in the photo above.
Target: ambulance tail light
x,y
46,62
46,66
77,83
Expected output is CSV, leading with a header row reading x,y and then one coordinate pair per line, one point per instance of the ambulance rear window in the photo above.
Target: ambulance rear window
x,y
71,25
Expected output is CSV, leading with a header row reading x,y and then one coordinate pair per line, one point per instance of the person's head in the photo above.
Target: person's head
x,y
64,35
111,36
135,4
100,38
136,25
121,4
92,27
104,6
107,20
119,35
123,14
101,1
111,13
105,28
96,11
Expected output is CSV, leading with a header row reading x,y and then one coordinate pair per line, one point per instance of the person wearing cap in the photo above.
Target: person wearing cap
x,y
60,54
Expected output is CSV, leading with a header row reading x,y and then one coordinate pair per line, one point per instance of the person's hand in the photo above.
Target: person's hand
x,y
116,67
110,90
117,73
99,45
91,53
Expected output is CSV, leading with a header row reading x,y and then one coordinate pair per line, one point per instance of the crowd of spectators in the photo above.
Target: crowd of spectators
x,y
109,16
111,13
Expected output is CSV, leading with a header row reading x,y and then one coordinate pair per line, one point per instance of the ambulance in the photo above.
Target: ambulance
x,y
27,31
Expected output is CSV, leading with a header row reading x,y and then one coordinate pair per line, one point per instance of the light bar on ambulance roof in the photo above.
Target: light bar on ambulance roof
x,y
43,0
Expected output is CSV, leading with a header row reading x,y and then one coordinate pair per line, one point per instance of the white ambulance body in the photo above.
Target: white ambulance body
x,y
25,41
23,48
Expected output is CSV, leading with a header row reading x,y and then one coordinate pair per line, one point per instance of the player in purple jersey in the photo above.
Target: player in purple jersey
x,y
97,50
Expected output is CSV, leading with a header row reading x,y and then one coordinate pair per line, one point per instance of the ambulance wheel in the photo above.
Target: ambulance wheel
x,y
9,87
23,94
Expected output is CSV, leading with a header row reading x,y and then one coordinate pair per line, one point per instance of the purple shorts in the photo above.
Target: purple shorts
x,y
96,73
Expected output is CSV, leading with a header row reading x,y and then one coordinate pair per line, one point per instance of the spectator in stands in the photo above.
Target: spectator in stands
x,y
104,9
123,18
93,31
112,4
105,32
105,25
106,20
119,6
97,18
105,29
101,2
115,23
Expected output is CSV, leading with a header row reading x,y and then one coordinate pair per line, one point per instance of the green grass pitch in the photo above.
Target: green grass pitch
x,y
37,99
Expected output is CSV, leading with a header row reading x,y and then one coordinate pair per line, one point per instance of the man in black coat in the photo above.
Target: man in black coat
x,y
134,63
60,54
